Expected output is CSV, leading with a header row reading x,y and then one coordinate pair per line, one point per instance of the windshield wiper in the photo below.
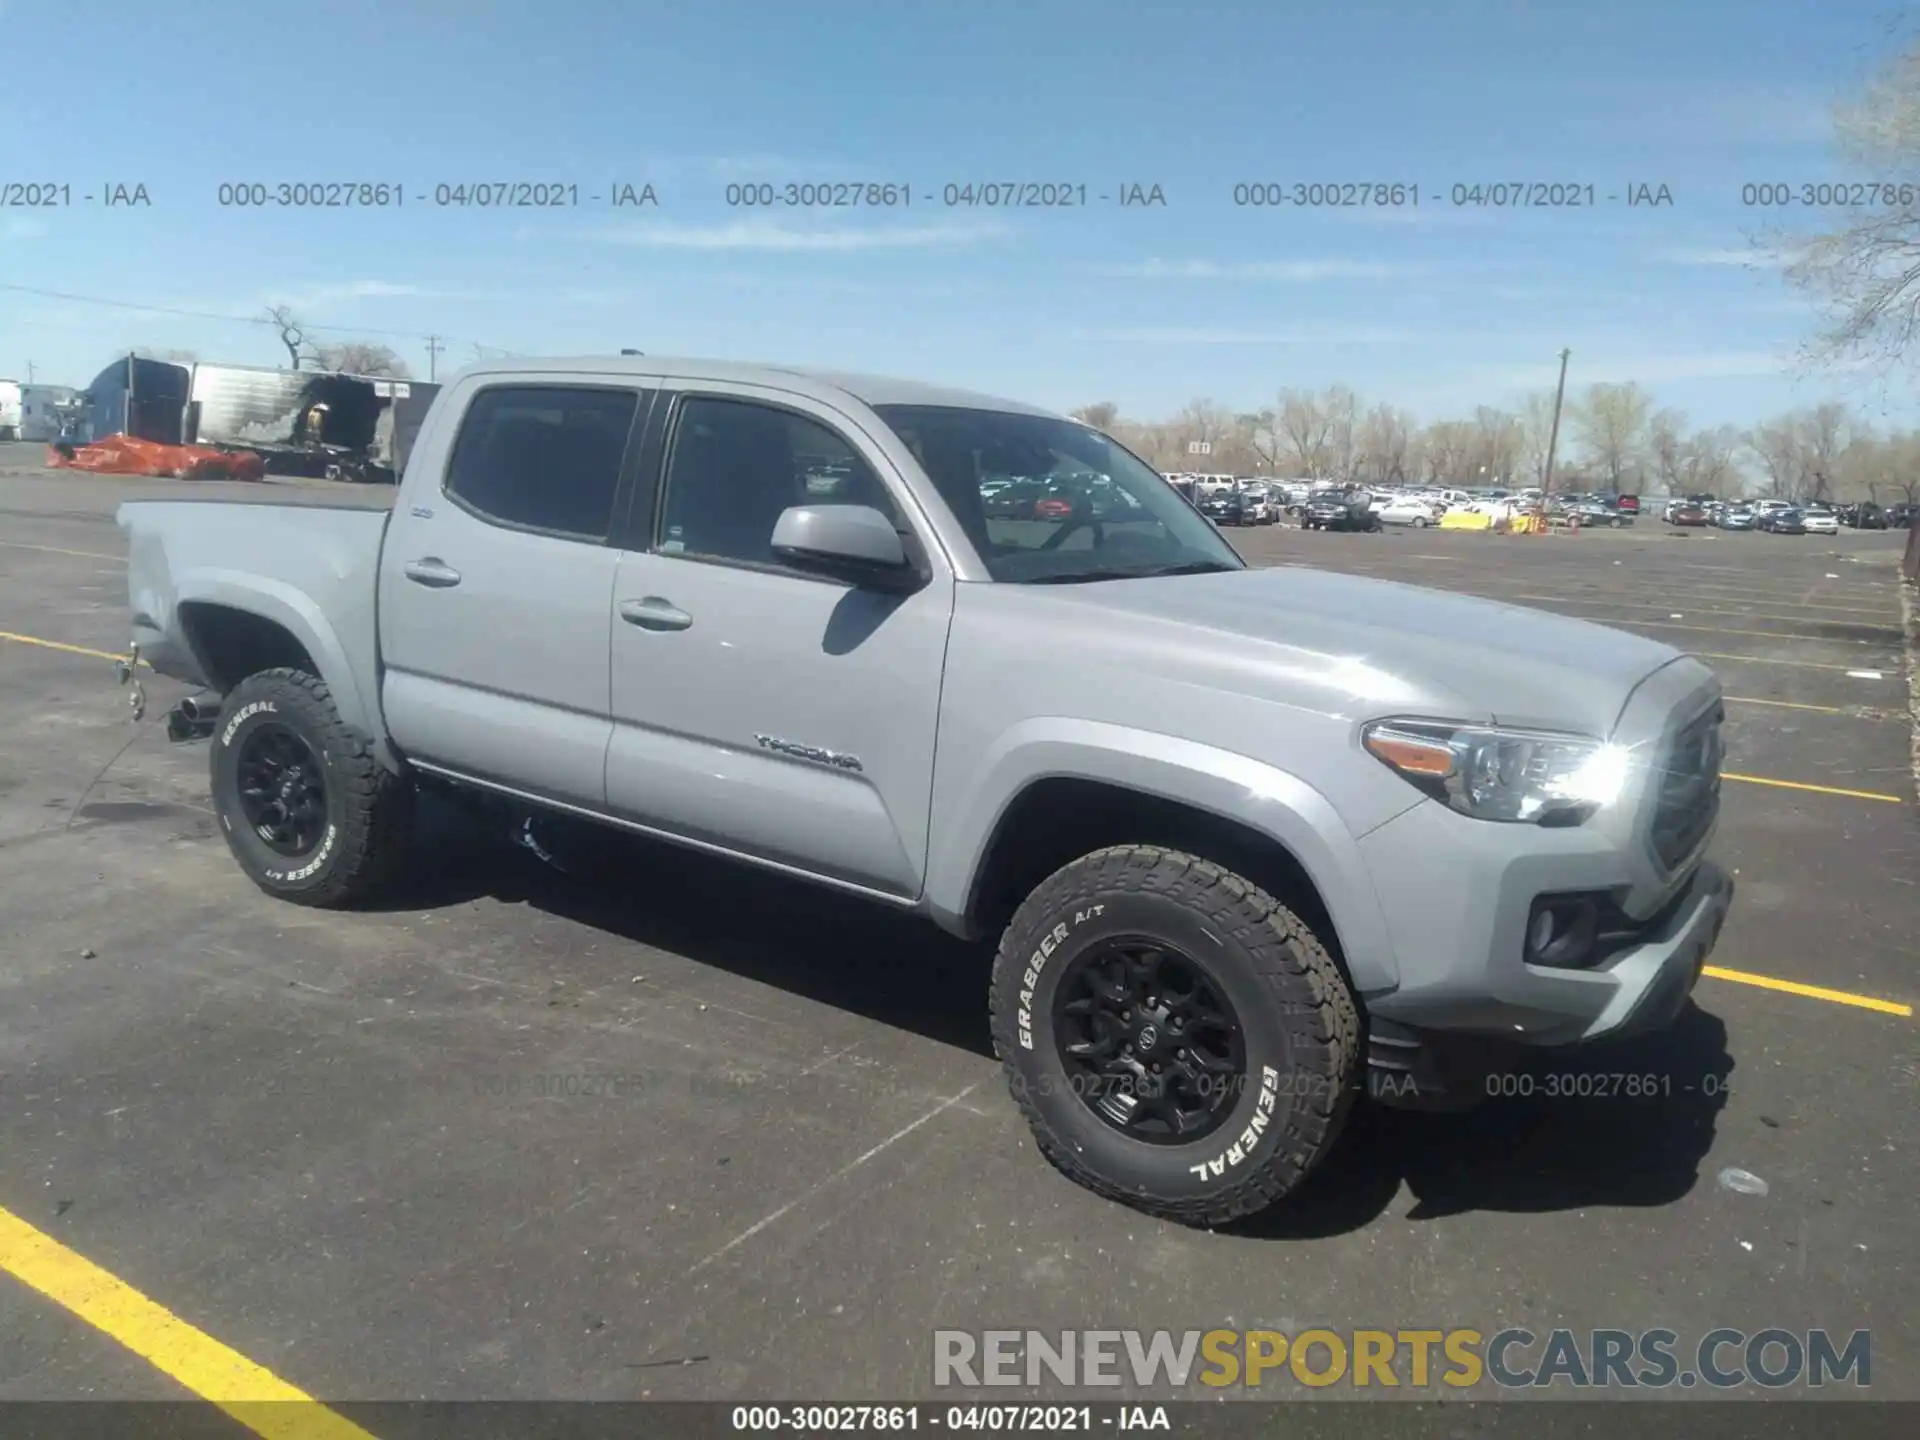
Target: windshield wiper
x,y
1190,567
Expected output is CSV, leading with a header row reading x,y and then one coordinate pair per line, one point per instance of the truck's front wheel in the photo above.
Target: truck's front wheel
x,y
1177,1039
308,810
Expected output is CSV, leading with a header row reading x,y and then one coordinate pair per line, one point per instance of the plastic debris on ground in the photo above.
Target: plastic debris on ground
x,y
1742,1182
130,455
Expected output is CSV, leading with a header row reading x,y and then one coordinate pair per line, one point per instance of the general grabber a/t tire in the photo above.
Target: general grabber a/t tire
x,y
307,808
1138,957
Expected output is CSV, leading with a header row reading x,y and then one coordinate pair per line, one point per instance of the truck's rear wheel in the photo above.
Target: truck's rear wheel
x,y
308,811
1177,1039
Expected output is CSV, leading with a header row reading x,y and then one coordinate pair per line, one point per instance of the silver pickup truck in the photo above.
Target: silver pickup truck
x,y
1251,841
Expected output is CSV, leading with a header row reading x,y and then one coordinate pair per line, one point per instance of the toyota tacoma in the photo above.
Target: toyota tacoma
x,y
1251,842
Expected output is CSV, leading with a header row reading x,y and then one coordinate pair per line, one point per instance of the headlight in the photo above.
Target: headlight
x,y
1531,776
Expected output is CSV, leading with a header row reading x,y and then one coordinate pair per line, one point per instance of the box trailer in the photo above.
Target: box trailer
x,y
307,422
46,411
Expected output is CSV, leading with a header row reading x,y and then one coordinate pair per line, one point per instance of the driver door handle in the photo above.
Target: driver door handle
x,y
432,572
654,613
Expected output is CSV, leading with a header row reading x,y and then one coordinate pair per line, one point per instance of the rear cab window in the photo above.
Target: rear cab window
x,y
545,458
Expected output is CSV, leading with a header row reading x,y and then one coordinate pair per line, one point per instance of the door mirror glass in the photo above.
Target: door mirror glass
x,y
856,542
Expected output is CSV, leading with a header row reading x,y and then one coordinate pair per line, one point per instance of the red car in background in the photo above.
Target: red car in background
x,y
1052,507
1627,504
1689,514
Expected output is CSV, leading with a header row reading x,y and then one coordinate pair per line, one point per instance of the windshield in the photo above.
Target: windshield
x,y
1076,505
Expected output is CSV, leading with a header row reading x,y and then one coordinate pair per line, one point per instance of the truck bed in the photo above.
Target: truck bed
x,y
310,568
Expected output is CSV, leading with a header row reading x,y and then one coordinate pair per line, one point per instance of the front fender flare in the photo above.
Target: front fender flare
x,y
1263,797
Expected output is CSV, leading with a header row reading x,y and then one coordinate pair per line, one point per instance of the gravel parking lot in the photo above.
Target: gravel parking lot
x,y
338,1144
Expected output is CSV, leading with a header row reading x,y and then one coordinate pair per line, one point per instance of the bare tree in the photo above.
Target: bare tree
x,y
1306,429
291,335
1708,463
1259,430
1497,444
1610,422
1447,449
1207,423
1669,451
1385,443
1825,432
1780,447
1342,410
1536,433
1865,272
360,357
1101,415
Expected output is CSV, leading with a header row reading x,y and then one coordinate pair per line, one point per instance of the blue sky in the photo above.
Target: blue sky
x,y
1437,309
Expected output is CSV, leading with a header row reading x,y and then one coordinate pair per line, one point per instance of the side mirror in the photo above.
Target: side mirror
x,y
854,542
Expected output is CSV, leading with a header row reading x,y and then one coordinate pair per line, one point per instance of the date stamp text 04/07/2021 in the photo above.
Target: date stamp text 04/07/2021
x,y
55,193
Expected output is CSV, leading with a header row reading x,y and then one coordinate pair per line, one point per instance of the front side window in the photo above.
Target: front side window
x,y
1048,500
543,457
736,465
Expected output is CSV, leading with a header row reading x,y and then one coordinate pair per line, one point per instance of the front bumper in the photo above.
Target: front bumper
x,y
1456,894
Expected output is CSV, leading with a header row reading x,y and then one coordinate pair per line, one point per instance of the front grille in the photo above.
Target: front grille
x,y
1687,784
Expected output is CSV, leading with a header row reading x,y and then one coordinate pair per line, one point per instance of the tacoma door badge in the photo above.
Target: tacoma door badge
x,y
832,758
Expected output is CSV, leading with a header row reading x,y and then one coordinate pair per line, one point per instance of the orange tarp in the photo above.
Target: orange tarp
x,y
129,455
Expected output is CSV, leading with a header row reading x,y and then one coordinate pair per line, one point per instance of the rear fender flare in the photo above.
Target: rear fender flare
x,y
296,613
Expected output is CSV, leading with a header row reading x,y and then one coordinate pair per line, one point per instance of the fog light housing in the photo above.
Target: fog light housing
x,y
1561,930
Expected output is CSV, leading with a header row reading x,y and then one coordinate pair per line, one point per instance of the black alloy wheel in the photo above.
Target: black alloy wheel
x,y
282,789
1149,1040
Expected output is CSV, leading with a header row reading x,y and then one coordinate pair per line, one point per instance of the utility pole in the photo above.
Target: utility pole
x,y
434,347
1553,436
29,372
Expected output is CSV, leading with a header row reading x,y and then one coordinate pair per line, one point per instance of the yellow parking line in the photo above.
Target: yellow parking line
x,y
1811,992
60,645
1815,789
1786,704
1766,660
1710,629
259,1400
1684,607
56,550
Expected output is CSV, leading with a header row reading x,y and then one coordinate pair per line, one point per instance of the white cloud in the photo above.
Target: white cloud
x,y
1291,271
1291,335
1751,258
321,297
768,235
20,227
1658,368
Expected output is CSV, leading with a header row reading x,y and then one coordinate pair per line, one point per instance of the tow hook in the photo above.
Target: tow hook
x,y
193,718
125,671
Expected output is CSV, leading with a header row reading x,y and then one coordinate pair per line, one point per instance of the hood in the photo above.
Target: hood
x,y
1347,645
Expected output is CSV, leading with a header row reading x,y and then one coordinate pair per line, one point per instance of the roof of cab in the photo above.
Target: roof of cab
x,y
826,385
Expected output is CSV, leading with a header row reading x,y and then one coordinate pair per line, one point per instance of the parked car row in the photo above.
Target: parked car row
x,y
1776,517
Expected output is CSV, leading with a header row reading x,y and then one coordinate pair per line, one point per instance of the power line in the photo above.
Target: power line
x,y
208,315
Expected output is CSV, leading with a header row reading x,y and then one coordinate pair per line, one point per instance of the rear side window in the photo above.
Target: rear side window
x,y
543,457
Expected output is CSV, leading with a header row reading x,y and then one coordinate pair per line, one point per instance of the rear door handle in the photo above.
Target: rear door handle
x,y
431,572
654,613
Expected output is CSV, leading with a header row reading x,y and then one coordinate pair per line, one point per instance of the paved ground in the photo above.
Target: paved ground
x,y
321,1139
